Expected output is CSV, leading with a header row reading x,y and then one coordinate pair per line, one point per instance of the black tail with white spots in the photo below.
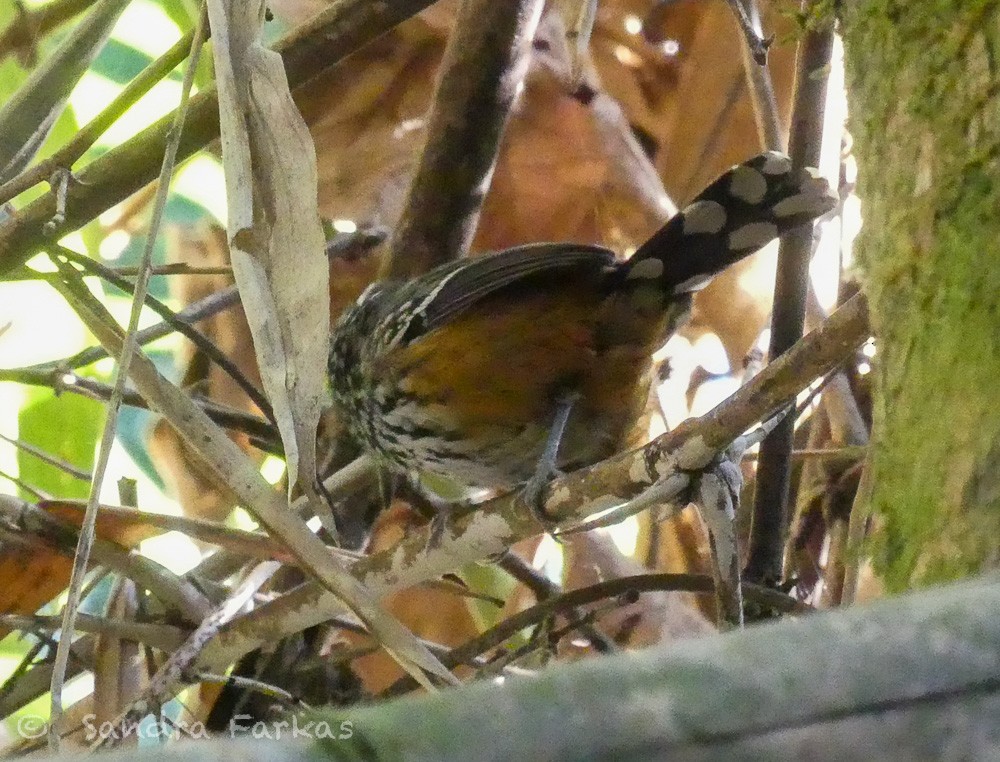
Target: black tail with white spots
x,y
746,208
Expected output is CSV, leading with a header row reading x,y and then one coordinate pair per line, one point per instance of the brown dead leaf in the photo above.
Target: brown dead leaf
x,y
559,177
35,571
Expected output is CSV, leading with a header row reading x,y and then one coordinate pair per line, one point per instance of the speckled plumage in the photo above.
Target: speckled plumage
x,y
458,372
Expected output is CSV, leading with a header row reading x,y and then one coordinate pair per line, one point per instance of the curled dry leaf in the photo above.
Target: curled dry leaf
x,y
36,571
275,238
367,119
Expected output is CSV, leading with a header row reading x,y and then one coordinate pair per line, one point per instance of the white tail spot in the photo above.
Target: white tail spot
x,y
752,236
776,164
748,185
704,217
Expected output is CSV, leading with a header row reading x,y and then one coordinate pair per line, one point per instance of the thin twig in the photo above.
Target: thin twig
x,y
202,309
47,457
846,454
574,599
483,65
249,684
857,528
160,689
261,431
200,340
31,24
758,76
88,527
343,483
544,588
36,493
770,516
241,542
750,26
180,268
165,637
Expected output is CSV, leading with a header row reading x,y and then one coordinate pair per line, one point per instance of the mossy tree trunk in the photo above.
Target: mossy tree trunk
x,y
925,115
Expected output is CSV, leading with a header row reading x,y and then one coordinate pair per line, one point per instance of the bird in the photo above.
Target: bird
x,y
500,370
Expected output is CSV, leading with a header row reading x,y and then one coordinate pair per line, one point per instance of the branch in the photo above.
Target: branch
x,y
758,76
749,24
483,67
165,637
162,685
194,313
60,381
68,154
172,319
770,510
31,24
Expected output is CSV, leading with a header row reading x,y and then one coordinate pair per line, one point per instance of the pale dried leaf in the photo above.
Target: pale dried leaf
x,y
276,241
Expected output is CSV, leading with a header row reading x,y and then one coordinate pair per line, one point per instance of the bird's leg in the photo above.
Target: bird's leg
x,y
534,491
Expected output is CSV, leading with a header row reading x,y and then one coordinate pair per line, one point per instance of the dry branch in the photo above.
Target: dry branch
x,y
770,516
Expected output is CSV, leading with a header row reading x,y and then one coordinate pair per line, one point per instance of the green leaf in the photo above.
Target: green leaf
x,y
67,427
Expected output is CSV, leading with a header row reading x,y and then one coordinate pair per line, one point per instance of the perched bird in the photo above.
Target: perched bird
x,y
495,370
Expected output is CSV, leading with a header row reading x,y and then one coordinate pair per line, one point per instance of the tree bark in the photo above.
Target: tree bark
x,y
925,100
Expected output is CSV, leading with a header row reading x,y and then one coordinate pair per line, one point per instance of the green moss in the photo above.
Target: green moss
x,y
924,107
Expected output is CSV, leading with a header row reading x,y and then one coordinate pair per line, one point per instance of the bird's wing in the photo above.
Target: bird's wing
x,y
442,294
